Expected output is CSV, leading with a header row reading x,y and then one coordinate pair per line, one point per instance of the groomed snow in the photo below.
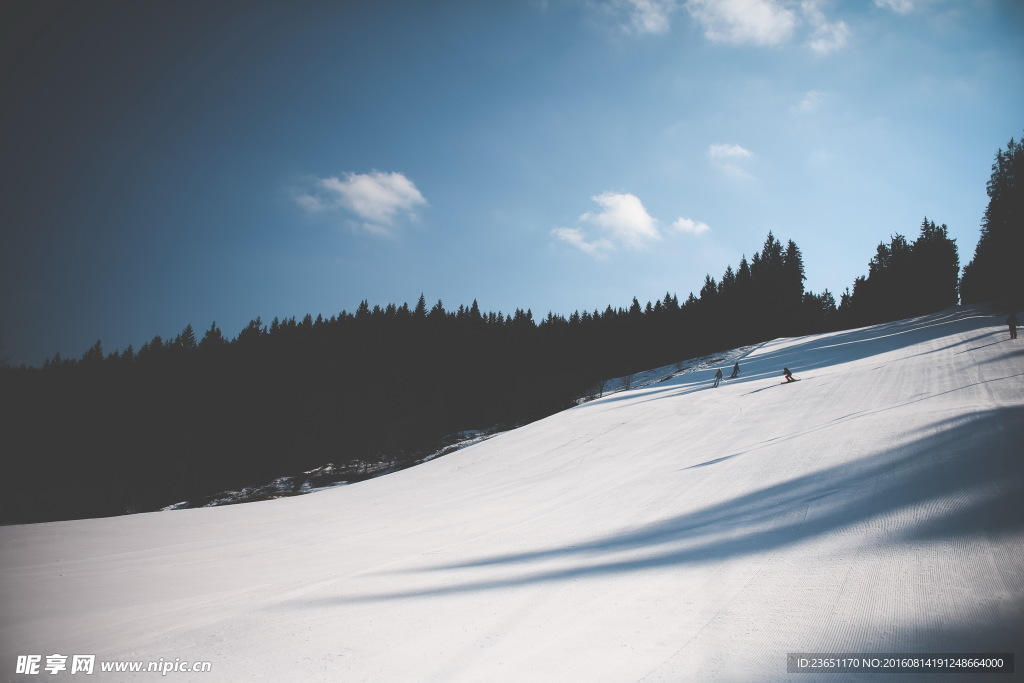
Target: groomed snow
x,y
672,532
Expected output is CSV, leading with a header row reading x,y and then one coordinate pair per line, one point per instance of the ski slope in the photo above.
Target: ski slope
x,y
672,532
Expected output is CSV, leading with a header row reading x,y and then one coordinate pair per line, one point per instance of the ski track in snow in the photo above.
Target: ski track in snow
x,y
666,532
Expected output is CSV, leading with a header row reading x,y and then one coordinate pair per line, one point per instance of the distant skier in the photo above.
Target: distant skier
x,y
735,371
788,375
718,378
1012,322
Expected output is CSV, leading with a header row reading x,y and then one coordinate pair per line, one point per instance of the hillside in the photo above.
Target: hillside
x,y
670,532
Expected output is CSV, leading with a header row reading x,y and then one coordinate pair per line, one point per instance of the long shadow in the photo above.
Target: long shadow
x,y
973,348
967,469
1013,353
987,334
711,462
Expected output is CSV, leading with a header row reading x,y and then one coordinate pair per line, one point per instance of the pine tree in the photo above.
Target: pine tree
x,y
152,349
437,313
420,312
635,312
992,275
213,339
128,355
709,292
768,286
94,356
187,339
791,287
936,266
727,285
251,332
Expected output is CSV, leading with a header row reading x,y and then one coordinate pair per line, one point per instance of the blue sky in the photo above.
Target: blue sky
x,y
180,163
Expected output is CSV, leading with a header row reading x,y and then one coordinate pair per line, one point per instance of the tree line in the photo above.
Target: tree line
x,y
183,418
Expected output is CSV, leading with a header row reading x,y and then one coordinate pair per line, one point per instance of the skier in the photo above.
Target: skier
x,y
1012,322
788,375
735,371
718,378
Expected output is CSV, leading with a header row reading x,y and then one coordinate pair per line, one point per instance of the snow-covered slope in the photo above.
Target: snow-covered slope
x,y
672,532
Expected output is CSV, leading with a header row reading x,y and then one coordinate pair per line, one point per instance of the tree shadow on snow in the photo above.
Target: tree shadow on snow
x,y
965,474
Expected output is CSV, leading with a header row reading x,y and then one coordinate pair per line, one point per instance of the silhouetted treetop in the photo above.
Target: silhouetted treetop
x,y
994,273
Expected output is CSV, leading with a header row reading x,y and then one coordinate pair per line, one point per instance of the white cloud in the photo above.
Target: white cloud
x,y
826,36
621,222
769,23
649,16
755,22
624,217
377,199
728,157
690,226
